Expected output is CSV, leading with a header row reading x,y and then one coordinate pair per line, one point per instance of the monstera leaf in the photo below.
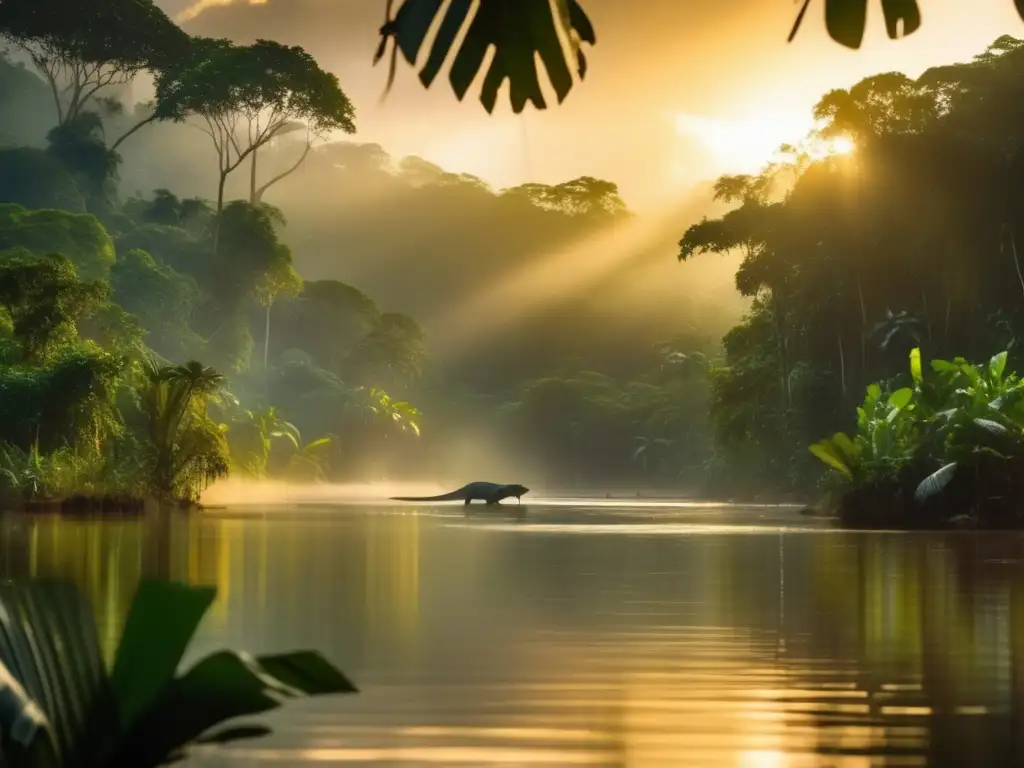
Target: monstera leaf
x,y
60,707
846,20
517,30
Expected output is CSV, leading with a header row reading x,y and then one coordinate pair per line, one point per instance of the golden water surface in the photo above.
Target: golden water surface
x,y
596,634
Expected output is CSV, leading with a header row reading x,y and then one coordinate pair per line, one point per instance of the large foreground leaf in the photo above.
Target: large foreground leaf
x,y
222,686
24,729
846,20
48,643
517,30
161,622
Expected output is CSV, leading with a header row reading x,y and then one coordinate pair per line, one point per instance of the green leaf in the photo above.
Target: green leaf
x,y
862,419
944,366
915,365
827,453
935,482
223,686
1010,397
997,365
845,445
48,643
971,372
992,427
161,622
286,433
874,393
901,398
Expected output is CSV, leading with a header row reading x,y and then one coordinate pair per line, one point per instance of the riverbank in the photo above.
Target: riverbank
x,y
97,504
890,507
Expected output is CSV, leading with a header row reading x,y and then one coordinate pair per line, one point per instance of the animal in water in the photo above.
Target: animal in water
x,y
492,493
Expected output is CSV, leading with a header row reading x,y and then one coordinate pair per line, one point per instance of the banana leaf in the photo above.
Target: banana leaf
x,y
25,735
161,622
223,686
49,645
59,707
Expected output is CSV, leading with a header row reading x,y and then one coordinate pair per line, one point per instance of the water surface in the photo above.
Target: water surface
x,y
589,633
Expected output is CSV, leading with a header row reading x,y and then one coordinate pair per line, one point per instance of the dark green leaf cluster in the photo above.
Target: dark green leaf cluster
x,y
126,34
958,426
284,83
852,259
61,707
44,299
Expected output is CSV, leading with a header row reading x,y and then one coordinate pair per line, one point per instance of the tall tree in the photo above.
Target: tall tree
x,y
83,47
247,96
856,258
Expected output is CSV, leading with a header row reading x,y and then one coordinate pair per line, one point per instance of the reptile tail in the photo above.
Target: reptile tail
x,y
443,497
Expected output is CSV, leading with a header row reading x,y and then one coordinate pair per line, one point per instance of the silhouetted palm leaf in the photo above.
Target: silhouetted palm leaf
x,y
517,31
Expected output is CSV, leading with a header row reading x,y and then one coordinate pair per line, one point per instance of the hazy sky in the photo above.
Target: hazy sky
x,y
663,76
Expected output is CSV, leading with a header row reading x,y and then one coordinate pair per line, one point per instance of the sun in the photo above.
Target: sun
x,y
818,148
746,145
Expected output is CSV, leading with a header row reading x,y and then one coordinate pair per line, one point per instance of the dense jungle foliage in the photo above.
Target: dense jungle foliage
x,y
911,241
848,262
156,341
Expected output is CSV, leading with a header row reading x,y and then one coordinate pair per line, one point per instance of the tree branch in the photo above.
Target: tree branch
x,y
275,179
102,81
133,129
51,78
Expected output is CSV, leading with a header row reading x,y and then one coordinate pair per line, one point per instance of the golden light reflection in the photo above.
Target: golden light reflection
x,y
884,634
761,758
392,577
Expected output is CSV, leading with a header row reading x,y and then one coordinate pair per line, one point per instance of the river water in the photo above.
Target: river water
x,y
588,633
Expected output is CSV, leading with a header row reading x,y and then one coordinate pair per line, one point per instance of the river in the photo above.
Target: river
x,y
588,633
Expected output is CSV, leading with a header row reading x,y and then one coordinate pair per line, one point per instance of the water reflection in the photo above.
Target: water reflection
x,y
484,640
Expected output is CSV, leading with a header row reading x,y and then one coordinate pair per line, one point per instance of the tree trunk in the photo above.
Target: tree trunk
x,y
257,192
927,314
1016,261
863,330
266,340
54,89
842,365
780,336
131,131
253,199
949,307
220,207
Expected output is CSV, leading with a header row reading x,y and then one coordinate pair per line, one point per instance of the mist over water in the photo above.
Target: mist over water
x,y
240,492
